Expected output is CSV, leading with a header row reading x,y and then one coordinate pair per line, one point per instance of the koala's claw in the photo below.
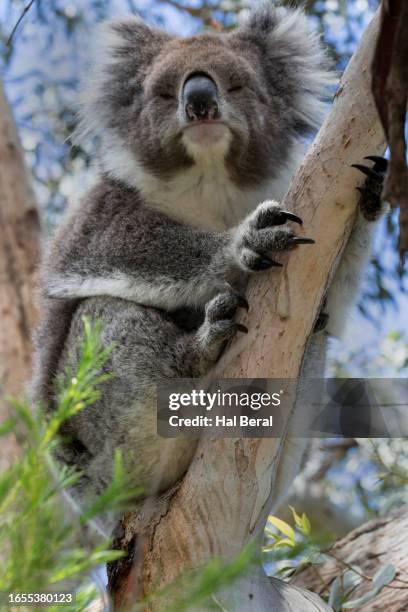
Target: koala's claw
x,y
219,326
224,306
262,262
262,234
321,322
381,163
370,201
302,240
273,215
242,302
284,215
241,328
291,217
370,172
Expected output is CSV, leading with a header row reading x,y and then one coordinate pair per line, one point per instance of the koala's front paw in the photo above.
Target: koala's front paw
x,y
370,202
219,325
260,234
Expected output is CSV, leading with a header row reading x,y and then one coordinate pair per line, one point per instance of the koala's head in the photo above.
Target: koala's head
x,y
161,104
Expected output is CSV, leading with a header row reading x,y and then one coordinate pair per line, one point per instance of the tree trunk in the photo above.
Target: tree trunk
x,y
390,89
374,544
224,499
19,255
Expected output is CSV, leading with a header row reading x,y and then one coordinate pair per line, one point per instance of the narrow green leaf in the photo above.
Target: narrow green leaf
x,y
335,596
296,517
384,576
284,542
357,603
352,577
282,526
7,426
306,526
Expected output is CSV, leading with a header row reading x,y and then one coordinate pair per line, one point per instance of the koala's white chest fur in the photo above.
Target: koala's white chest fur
x,y
204,196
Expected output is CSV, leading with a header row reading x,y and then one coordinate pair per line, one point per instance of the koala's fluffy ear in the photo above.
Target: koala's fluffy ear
x,y
124,50
291,56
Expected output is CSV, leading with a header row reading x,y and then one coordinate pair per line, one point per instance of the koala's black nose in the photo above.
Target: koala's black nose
x,y
200,98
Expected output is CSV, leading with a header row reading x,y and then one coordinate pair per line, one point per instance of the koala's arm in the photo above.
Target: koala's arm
x,y
174,267
125,249
346,284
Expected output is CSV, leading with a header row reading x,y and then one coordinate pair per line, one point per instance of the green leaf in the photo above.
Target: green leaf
x,y
302,522
394,335
37,535
24,414
335,596
271,534
356,603
306,526
318,558
296,517
105,556
341,585
352,578
116,496
282,526
284,542
384,576
286,571
7,426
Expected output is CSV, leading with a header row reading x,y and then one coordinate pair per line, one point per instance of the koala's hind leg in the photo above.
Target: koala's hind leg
x,y
149,347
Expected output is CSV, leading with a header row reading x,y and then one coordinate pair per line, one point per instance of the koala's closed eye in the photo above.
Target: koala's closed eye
x,y
235,87
166,95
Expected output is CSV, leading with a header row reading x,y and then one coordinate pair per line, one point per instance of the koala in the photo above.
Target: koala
x,y
198,138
